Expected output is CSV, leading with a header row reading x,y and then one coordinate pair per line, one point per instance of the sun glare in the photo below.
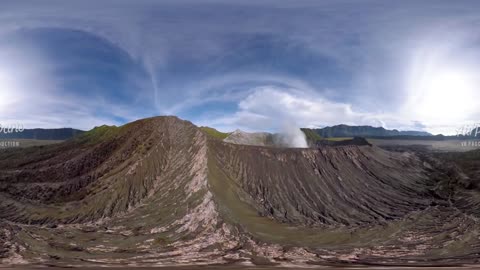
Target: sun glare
x,y
444,95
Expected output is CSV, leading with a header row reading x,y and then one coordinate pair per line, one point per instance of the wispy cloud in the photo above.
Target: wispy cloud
x,y
37,91
333,61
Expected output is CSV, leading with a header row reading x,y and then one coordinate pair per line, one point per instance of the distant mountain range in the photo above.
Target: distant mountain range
x,y
43,134
322,136
311,134
360,131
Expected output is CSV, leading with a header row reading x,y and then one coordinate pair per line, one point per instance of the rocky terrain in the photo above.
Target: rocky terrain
x,y
293,138
250,138
162,192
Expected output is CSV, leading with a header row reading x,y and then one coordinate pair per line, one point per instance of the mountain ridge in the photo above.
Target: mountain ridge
x,y
160,191
326,132
362,131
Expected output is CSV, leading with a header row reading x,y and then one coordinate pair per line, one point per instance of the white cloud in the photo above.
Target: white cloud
x,y
270,107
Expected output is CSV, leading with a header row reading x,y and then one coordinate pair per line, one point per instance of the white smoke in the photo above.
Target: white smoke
x,y
291,136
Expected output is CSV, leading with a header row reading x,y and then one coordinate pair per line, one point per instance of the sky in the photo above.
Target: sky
x,y
251,65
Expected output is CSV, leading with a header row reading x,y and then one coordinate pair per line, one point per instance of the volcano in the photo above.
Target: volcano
x,y
161,192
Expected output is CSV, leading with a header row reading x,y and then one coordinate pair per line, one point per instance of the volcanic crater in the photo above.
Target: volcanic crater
x,y
161,192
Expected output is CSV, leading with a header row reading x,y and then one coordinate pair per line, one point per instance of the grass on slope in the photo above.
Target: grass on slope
x,y
98,134
311,135
338,139
214,133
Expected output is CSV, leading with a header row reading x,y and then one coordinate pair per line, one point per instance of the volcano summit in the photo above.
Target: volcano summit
x,y
162,192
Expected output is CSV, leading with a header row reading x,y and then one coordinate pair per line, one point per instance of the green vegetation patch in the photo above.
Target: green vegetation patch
x,y
214,133
99,134
311,135
338,139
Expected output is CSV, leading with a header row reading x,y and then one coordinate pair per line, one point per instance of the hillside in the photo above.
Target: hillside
x,y
161,192
43,134
214,133
250,138
292,139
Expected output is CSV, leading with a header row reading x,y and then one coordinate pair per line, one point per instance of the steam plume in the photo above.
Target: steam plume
x,y
291,136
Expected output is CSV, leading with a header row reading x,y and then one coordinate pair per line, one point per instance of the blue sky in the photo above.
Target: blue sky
x,y
254,65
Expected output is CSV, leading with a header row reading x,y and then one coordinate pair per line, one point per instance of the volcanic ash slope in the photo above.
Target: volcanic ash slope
x,y
253,138
159,191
